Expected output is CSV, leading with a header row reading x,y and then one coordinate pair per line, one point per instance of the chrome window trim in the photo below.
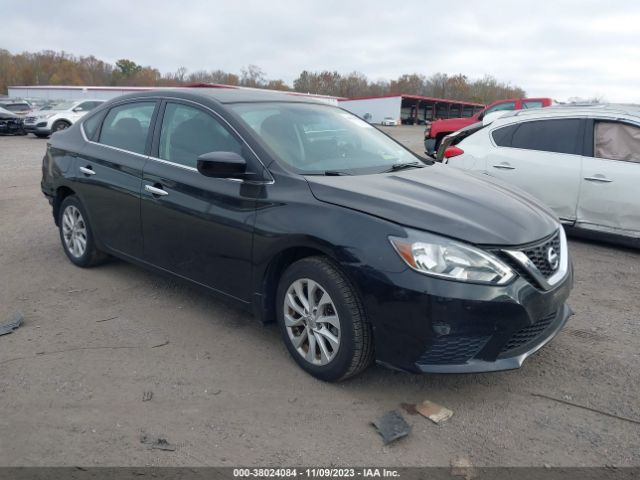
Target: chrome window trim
x,y
547,283
167,162
179,165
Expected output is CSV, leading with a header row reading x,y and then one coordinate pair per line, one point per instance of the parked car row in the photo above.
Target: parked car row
x,y
311,217
581,161
43,123
22,117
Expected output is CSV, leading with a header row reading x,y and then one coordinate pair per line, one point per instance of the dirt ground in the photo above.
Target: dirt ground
x,y
226,393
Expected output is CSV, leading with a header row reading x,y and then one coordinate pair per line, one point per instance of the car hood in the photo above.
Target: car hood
x,y
7,115
440,199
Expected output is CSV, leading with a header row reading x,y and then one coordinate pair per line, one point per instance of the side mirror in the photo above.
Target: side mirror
x,y
78,109
222,165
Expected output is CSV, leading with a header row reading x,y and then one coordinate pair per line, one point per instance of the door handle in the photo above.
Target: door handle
x,y
598,179
504,166
87,170
155,190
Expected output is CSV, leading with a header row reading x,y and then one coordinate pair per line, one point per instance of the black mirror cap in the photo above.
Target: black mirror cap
x,y
222,165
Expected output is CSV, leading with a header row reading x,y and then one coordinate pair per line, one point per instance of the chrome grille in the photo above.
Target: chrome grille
x,y
30,120
539,255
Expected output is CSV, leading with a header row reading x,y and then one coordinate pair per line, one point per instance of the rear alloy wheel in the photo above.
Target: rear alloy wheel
x,y
76,235
60,125
74,231
322,320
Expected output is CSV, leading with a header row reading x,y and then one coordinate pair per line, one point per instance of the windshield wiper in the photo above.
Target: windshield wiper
x,y
401,166
335,173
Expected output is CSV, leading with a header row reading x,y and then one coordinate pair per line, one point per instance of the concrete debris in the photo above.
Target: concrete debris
x,y
392,426
11,325
434,412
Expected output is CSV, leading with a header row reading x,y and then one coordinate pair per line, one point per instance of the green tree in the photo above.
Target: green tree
x,y
127,67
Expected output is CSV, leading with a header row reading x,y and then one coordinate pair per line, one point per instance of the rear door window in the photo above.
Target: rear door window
x,y
617,141
127,126
502,136
91,126
557,135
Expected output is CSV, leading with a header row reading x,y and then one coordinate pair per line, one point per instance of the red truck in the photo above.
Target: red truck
x,y
435,131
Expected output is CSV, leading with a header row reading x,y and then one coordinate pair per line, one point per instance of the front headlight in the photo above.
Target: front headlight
x,y
44,116
441,257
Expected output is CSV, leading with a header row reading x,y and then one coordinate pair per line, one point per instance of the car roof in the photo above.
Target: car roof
x,y
600,110
227,95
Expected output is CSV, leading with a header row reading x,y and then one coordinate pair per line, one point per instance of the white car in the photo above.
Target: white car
x,y
43,123
582,161
389,122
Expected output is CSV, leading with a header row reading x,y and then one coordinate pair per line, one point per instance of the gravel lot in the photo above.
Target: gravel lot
x,y
225,391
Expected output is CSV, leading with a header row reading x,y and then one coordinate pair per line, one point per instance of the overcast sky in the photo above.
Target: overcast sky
x,y
555,48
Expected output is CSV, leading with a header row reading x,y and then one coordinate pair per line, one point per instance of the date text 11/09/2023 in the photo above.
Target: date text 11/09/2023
x,y
315,472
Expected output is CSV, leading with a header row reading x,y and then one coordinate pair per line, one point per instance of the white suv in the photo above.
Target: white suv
x,y
43,123
582,161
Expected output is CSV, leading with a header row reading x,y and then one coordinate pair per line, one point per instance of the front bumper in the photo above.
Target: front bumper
x,y
11,127
521,345
40,127
423,324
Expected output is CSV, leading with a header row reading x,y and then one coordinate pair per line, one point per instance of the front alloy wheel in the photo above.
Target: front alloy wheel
x,y
312,321
322,320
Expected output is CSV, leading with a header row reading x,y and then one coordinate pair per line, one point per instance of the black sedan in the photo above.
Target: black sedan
x,y
10,123
310,217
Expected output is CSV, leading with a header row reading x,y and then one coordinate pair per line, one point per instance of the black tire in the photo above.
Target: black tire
x,y
355,351
60,125
91,256
41,135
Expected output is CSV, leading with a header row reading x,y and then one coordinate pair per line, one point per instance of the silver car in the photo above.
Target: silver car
x,y
582,161
60,116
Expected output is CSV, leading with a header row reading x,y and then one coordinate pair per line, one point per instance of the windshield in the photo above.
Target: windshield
x,y
320,139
